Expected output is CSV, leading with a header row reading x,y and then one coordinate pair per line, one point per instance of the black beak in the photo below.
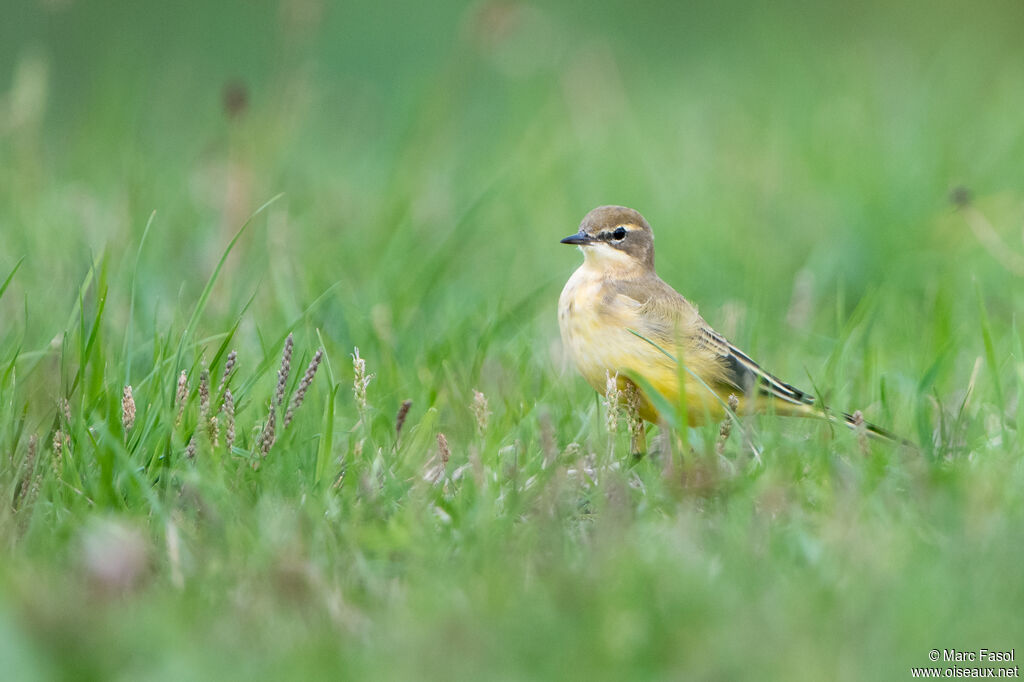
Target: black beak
x,y
580,237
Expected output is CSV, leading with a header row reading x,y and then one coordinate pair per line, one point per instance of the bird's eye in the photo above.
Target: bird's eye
x,y
619,234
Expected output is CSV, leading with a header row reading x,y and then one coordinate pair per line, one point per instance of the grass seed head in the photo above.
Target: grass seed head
x,y
442,447
634,422
181,395
127,409
229,419
58,450
403,412
612,401
33,450
307,381
29,481
725,429
960,196
269,432
204,393
360,380
234,98
480,411
284,371
435,468
213,430
229,367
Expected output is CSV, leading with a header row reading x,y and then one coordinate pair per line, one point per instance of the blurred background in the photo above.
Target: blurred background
x,y
791,156
839,186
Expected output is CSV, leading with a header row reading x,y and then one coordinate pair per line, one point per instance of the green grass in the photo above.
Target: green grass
x,y
398,181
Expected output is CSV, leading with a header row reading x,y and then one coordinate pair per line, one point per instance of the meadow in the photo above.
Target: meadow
x,y
376,192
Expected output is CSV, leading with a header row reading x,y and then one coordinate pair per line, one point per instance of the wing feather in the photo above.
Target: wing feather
x,y
664,317
673,322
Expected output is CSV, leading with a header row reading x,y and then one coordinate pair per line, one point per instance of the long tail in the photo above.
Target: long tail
x,y
856,421
748,373
745,375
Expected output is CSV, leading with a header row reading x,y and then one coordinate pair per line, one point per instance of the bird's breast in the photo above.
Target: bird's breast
x,y
607,329
595,325
580,323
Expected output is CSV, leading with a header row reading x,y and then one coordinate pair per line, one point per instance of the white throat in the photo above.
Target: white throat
x,y
603,257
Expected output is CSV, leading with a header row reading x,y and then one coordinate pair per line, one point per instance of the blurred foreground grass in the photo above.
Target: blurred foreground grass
x,y
796,162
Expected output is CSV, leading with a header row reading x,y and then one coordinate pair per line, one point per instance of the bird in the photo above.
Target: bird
x,y
619,321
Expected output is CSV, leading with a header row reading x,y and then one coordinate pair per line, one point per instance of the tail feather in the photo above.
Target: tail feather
x,y
748,373
856,421
744,375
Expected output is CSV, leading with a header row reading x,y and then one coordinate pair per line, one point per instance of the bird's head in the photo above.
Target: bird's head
x,y
615,238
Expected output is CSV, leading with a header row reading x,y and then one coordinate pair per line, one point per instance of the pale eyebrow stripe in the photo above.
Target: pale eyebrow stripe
x,y
628,227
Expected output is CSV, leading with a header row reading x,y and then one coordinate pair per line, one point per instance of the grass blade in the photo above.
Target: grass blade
x,y
326,446
126,344
7,282
990,351
204,297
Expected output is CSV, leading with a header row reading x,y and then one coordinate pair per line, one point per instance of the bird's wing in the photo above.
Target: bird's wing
x,y
667,319
674,323
745,374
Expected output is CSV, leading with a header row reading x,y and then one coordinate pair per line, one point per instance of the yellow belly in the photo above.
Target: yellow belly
x,y
598,340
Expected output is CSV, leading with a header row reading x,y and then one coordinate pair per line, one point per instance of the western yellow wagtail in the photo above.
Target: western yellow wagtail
x,y
617,317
